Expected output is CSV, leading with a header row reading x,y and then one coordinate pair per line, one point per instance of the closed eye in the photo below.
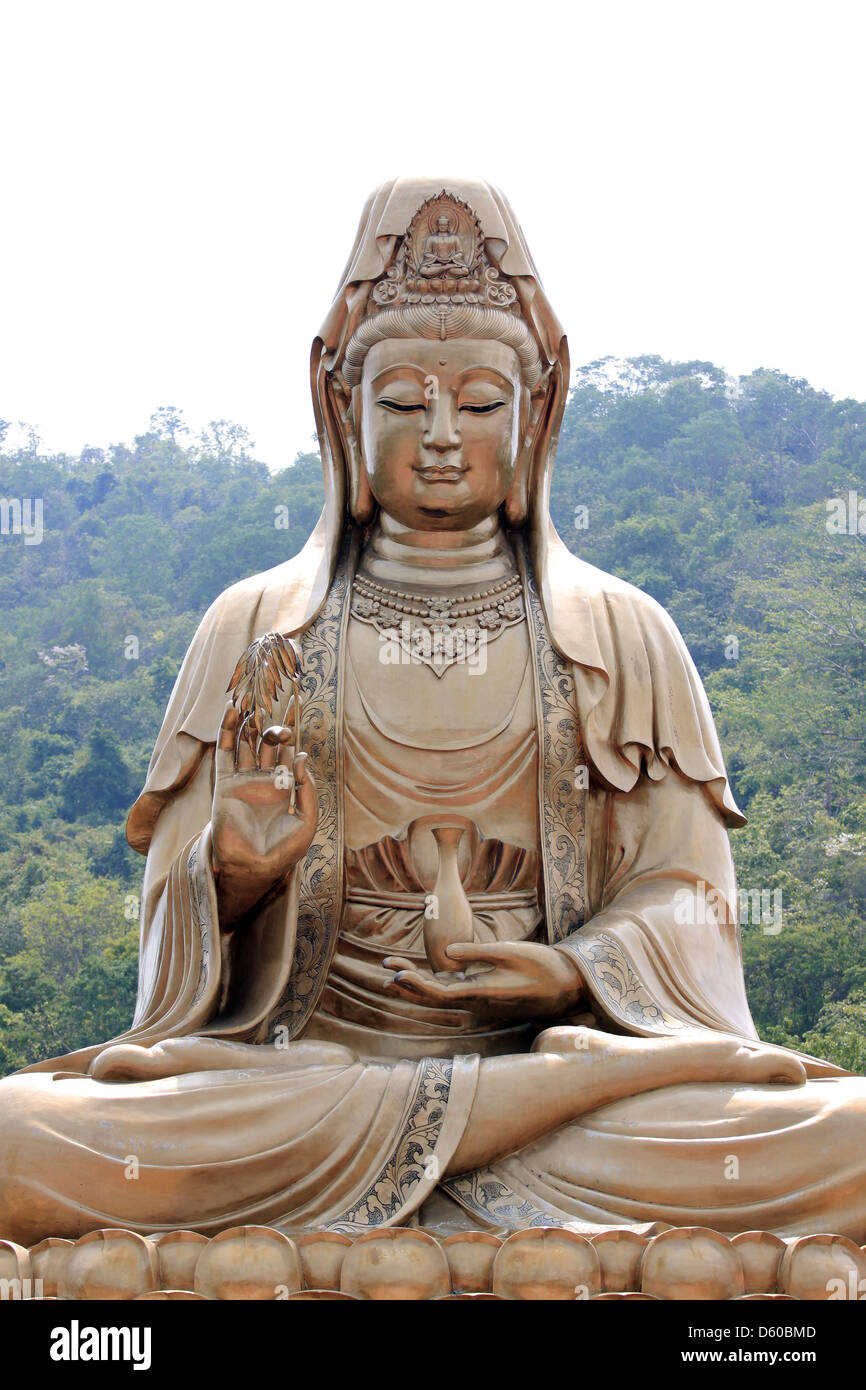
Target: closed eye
x,y
402,407
482,409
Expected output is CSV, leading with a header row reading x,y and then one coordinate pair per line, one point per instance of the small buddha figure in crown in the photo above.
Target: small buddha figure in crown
x,y
443,251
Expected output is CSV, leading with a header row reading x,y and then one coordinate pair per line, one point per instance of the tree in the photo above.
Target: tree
x,y
100,783
224,440
167,422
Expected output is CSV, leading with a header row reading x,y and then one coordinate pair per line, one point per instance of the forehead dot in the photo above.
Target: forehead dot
x,y
443,361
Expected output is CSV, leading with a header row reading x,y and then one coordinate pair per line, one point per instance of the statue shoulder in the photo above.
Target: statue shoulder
x,y
281,599
642,704
614,602
273,591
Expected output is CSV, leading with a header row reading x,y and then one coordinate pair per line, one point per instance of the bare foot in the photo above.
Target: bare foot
x,y
178,1056
696,1056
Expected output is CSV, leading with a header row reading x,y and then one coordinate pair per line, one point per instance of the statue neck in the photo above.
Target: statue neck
x,y
396,555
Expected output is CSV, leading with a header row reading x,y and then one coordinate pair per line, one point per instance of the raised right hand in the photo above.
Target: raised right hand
x,y
256,838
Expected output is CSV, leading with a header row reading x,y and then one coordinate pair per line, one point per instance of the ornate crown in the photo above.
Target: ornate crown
x,y
441,260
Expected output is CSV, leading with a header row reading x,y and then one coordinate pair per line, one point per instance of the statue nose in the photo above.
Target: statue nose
x,y
442,433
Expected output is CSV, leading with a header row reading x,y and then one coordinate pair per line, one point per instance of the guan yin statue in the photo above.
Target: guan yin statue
x,y
439,912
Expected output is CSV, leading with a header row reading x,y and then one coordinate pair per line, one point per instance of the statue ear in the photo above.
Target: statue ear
x,y
362,504
516,505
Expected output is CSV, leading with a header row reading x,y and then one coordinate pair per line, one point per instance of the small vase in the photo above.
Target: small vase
x,y
453,923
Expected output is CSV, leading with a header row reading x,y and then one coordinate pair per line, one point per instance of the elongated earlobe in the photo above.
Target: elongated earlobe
x,y
362,504
516,504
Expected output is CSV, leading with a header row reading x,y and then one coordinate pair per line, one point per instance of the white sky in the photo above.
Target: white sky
x,y
181,182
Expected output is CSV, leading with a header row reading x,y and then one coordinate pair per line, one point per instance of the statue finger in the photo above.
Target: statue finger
x,y
246,760
287,750
423,987
398,963
409,986
270,745
491,952
277,735
225,748
307,801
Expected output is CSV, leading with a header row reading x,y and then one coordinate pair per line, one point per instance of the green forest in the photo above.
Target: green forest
x,y
735,503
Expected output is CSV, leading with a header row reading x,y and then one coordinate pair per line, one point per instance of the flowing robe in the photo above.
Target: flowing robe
x,y
288,1124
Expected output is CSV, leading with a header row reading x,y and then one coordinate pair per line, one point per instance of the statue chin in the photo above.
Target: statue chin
x,y
426,941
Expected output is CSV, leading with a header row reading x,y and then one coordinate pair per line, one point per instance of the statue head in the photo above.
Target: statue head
x,y
438,430
439,376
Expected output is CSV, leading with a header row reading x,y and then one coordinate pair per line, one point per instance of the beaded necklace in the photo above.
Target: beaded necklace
x,y
438,630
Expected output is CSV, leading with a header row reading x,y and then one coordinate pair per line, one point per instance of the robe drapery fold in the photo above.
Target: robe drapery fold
x,y
665,1156
304,1138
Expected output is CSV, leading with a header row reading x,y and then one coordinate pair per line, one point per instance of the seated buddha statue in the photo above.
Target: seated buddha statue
x,y
413,945
443,252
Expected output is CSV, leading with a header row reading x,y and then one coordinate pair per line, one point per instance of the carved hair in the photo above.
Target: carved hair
x,y
431,321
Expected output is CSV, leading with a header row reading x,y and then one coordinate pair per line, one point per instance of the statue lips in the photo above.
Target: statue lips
x,y
441,473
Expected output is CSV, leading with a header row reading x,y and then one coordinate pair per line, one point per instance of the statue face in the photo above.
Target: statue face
x,y
440,428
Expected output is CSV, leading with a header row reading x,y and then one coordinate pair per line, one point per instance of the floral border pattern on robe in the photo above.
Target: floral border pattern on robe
x,y
562,793
618,985
484,1194
409,1163
198,894
321,869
